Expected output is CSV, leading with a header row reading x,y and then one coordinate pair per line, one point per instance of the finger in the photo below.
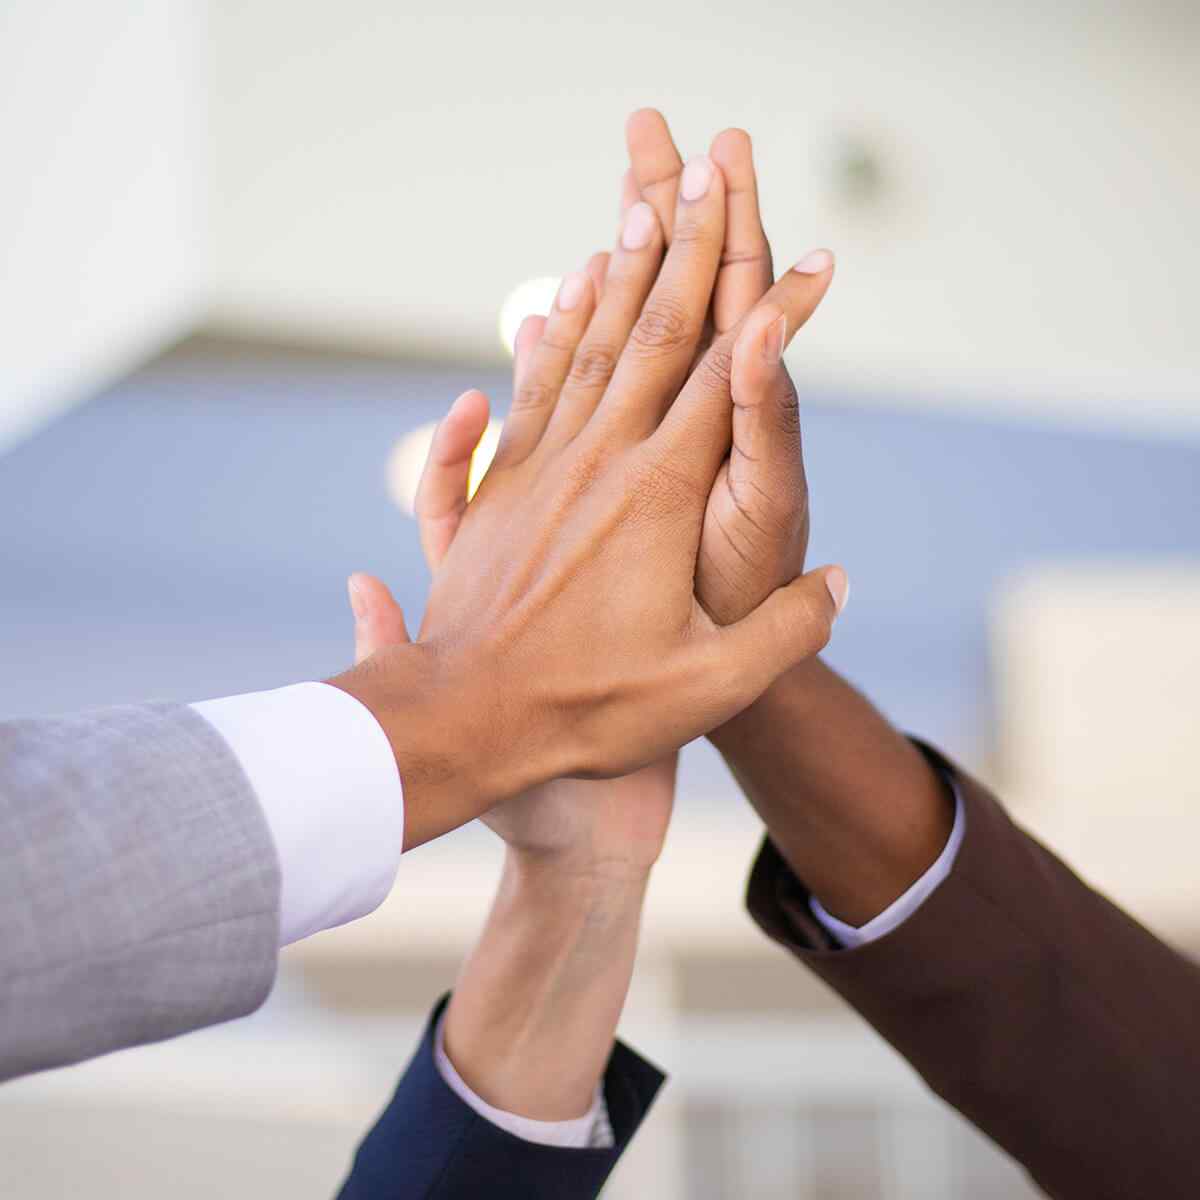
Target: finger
x,y
545,370
632,267
378,620
766,466
792,624
695,434
528,336
655,164
597,269
745,273
442,492
629,193
662,345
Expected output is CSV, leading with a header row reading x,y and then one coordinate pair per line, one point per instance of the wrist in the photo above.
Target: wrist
x,y
438,714
546,983
576,890
849,802
794,696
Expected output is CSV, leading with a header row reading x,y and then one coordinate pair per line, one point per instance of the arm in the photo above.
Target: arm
x,y
535,1096
534,1014
1047,1016
519,676
139,887
154,857
848,801
755,535
1051,1019
519,1079
429,1143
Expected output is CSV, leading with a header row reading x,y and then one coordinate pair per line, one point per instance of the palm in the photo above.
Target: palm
x,y
621,822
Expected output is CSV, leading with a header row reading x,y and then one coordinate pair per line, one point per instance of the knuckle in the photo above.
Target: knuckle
x,y
593,366
532,396
691,233
814,623
558,343
663,326
715,369
787,401
748,258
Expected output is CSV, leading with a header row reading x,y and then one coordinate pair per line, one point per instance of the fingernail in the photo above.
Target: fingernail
x,y
358,602
773,339
638,228
814,262
452,412
571,290
838,584
697,176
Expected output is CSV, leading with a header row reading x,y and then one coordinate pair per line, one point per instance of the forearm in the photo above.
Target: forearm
x,y
533,1017
849,802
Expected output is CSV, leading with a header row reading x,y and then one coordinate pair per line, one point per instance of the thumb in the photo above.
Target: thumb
x,y
442,493
766,414
793,623
378,620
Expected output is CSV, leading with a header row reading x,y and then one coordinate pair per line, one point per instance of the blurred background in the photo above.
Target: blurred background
x,y
245,248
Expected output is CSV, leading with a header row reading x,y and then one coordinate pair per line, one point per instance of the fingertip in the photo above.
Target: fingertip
x,y
641,227
461,428
471,403
597,268
732,145
762,337
816,262
643,121
529,333
356,590
837,582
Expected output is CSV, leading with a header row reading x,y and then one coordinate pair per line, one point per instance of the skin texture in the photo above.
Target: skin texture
x,y
532,1020
563,635
853,807
534,1013
849,802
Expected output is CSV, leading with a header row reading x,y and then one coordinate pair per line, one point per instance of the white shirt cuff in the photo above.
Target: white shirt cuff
x,y
591,1131
324,773
896,913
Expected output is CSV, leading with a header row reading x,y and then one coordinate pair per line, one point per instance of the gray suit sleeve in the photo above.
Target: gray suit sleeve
x,y
139,885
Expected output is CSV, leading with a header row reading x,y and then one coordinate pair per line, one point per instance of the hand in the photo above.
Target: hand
x,y
756,524
611,828
562,635
814,757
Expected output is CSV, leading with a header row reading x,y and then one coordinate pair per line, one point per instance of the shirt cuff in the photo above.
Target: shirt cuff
x,y
896,913
591,1131
326,778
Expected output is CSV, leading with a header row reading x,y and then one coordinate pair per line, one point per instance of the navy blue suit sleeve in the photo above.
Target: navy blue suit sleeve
x,y
429,1145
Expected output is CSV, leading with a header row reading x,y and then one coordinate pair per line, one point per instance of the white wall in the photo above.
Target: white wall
x,y
387,173
102,187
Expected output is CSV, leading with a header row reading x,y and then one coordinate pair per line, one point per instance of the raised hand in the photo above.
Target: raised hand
x,y
757,522
563,635
612,828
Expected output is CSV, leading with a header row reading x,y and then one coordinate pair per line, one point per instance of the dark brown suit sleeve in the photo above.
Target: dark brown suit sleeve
x,y
1047,1016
